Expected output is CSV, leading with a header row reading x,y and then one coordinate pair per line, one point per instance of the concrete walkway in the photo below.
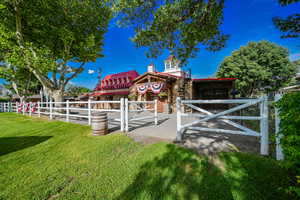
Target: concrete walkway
x,y
204,142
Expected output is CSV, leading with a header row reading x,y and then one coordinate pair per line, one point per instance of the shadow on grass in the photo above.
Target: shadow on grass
x,y
12,144
181,174
178,174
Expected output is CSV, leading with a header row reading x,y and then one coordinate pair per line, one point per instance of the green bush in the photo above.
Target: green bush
x,y
4,99
289,107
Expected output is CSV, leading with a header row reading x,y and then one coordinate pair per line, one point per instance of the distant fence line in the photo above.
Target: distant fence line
x,y
85,109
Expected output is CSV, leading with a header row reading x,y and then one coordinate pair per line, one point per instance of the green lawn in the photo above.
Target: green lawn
x,y
57,160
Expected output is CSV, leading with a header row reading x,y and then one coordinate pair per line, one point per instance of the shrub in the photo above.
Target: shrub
x,y
289,107
4,99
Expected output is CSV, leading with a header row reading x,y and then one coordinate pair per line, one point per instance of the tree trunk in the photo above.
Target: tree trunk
x,y
58,97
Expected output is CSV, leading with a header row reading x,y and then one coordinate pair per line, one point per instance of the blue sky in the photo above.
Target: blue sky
x,y
244,21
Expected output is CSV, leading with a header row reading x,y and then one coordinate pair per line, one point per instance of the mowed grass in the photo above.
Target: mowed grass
x,y
56,160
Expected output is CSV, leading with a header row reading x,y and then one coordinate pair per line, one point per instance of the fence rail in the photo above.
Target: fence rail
x,y
85,109
224,117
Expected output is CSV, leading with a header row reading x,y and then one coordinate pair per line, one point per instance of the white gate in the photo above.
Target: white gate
x,y
207,116
134,109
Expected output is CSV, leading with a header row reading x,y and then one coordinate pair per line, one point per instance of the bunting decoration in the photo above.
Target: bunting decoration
x,y
34,107
156,87
20,107
142,89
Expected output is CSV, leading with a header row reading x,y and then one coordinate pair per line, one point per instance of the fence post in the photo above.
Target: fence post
x,y
264,128
178,110
39,109
89,112
126,116
23,108
122,114
51,109
279,152
30,106
155,112
68,111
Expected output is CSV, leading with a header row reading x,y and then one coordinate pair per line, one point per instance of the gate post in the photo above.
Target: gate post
x,y
126,116
178,110
122,114
155,112
279,152
264,128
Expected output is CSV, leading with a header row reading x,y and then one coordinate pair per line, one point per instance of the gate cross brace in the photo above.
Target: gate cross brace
x,y
211,116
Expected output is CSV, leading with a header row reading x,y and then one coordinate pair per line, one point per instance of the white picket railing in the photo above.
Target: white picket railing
x,y
85,109
207,116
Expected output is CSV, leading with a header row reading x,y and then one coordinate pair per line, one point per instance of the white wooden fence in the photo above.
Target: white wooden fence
x,y
79,110
223,116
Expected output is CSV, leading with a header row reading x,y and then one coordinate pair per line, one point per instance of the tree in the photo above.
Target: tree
x,y
19,80
259,66
289,25
75,90
179,26
57,36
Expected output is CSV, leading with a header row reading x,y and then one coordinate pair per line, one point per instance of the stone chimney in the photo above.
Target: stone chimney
x,y
151,68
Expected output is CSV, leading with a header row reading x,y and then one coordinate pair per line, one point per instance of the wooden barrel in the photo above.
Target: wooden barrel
x,y
99,124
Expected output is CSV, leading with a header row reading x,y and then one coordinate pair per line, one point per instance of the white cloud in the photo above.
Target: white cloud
x,y
90,71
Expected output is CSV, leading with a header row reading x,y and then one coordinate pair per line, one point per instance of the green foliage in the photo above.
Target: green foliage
x,y
75,90
289,107
19,80
4,99
259,66
162,94
179,26
49,35
287,2
57,160
289,25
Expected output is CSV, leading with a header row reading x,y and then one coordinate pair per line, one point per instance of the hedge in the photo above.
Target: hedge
x,y
289,107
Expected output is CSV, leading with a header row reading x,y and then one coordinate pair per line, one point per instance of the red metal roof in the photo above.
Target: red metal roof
x,y
117,81
131,74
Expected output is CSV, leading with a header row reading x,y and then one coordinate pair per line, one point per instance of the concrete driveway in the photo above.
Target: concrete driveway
x,y
207,143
